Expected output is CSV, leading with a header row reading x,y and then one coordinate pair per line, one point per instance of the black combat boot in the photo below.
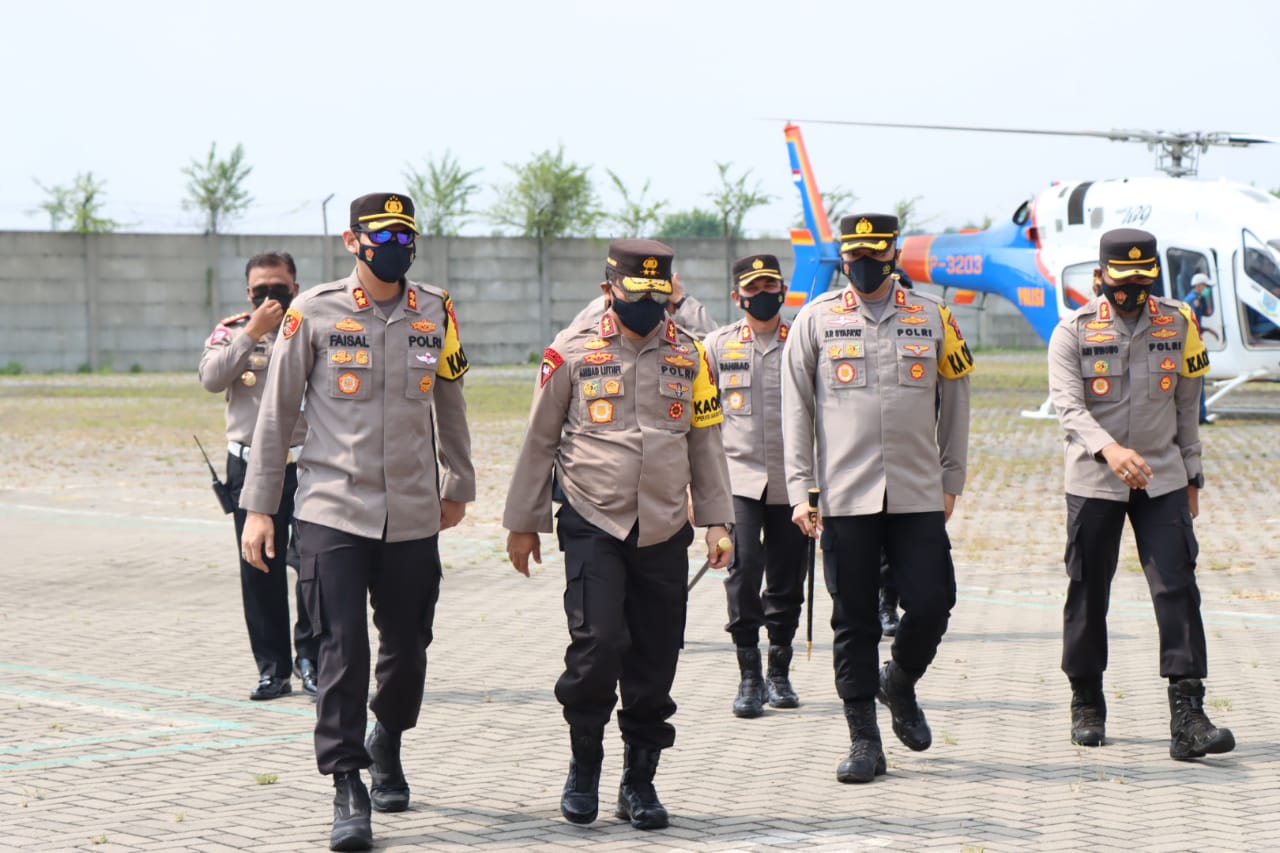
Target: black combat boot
x,y
390,790
580,802
898,693
1193,736
777,683
865,760
1088,712
750,701
351,827
637,798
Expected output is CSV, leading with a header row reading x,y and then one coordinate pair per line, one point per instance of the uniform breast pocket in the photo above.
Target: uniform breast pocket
x,y
349,377
421,375
917,365
844,373
674,403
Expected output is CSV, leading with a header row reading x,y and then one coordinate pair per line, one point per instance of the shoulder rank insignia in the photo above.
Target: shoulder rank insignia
x,y
234,318
745,333
411,299
782,331
361,298
671,331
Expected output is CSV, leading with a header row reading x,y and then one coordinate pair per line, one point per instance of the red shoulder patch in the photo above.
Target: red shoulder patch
x,y
551,361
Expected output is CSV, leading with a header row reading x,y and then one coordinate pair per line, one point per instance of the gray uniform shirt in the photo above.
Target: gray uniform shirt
x,y
749,370
883,402
1139,387
388,423
629,428
236,364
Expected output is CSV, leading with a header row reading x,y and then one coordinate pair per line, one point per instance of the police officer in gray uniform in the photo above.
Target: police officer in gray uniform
x,y
386,466
766,545
876,376
235,363
625,424
1125,372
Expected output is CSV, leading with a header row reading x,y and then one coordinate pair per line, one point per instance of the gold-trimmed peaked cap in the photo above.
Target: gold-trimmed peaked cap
x,y
752,267
1126,252
641,266
874,231
376,211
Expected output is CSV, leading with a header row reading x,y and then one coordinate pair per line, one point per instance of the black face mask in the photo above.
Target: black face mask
x,y
1134,295
866,274
390,261
763,306
640,317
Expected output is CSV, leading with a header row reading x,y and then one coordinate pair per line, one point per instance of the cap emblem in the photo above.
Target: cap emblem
x,y
650,266
863,226
1135,253
393,205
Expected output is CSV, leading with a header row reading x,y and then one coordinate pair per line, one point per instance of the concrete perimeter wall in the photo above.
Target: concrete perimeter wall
x,y
111,301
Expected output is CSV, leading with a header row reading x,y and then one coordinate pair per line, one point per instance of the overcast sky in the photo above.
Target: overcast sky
x,y
332,97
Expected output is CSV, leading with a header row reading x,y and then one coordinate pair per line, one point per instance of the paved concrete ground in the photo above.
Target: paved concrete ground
x,y
124,675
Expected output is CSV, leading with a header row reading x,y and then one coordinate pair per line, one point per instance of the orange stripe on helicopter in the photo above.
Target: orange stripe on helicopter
x,y
915,257
793,135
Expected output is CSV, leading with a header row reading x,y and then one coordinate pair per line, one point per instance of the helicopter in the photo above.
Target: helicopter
x,y
1043,258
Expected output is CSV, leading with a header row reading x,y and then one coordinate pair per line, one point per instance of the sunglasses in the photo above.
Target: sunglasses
x,y
277,292
630,296
379,238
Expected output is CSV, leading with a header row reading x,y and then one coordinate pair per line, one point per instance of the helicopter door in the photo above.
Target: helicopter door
x,y
1181,264
1258,290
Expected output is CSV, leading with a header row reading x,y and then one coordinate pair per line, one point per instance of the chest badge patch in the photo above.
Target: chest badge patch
x,y
1101,386
675,411
601,412
423,325
845,372
348,383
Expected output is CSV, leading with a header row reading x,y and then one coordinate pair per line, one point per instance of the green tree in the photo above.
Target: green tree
x,y
441,195
57,205
550,198
691,223
81,204
637,217
908,212
733,200
216,187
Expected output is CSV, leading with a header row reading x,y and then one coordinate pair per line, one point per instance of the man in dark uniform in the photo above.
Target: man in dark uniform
x,y
766,545
386,467
875,377
235,362
624,429
1124,374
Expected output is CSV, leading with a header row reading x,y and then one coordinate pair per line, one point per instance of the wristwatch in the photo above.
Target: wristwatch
x,y
1197,481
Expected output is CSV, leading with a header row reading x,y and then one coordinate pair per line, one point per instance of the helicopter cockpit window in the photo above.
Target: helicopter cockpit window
x,y
1259,294
1181,265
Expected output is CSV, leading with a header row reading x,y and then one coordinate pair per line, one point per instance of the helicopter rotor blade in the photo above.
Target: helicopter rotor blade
x,y
1148,136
